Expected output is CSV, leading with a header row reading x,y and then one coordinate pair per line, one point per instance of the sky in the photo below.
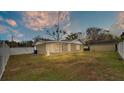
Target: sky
x,y
27,25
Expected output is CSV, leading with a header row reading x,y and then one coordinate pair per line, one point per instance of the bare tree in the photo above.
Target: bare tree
x,y
58,33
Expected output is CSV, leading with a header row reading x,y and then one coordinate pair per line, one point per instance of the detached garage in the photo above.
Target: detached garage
x,y
103,46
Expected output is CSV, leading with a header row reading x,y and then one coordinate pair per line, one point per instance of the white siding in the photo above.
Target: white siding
x,y
54,47
69,47
77,47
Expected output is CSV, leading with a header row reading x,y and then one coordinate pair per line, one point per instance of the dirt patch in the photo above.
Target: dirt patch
x,y
15,69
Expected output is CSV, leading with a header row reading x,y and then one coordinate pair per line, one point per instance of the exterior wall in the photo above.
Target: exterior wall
x,y
103,47
41,48
55,48
69,47
78,47
65,47
73,47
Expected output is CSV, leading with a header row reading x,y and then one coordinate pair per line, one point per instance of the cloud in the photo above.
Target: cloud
x,y
120,21
16,39
11,22
66,26
17,33
8,30
118,27
17,36
3,29
1,18
40,20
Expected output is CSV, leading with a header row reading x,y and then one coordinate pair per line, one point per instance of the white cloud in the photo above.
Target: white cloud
x,y
9,30
118,27
16,39
11,22
40,20
17,33
120,21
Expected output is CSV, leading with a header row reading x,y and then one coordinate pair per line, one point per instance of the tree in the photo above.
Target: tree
x,y
93,32
122,36
104,36
98,34
38,38
57,34
72,36
19,44
79,36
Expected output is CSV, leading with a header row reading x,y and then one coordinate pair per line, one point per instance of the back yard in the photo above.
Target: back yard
x,y
73,66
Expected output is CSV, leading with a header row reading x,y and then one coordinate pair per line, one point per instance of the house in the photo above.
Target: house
x,y
54,47
103,46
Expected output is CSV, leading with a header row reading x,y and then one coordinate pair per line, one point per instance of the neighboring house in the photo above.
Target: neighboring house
x,y
103,46
54,47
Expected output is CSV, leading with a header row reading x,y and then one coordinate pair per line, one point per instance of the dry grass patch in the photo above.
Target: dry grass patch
x,y
69,66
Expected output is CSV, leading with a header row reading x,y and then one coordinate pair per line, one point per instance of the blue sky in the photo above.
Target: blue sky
x,y
14,23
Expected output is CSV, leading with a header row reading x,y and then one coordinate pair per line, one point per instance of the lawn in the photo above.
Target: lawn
x,y
70,66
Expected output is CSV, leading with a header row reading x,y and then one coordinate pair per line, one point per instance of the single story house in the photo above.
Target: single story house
x,y
54,47
103,46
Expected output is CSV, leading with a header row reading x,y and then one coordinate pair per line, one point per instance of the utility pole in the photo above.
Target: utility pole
x,y
0,37
58,37
12,38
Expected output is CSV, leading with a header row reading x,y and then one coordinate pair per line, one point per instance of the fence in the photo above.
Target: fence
x,y
4,56
5,52
18,51
121,49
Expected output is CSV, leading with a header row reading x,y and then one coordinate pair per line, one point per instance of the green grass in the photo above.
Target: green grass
x,y
70,66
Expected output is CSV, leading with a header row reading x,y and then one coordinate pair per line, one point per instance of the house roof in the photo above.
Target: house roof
x,y
71,42
103,42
